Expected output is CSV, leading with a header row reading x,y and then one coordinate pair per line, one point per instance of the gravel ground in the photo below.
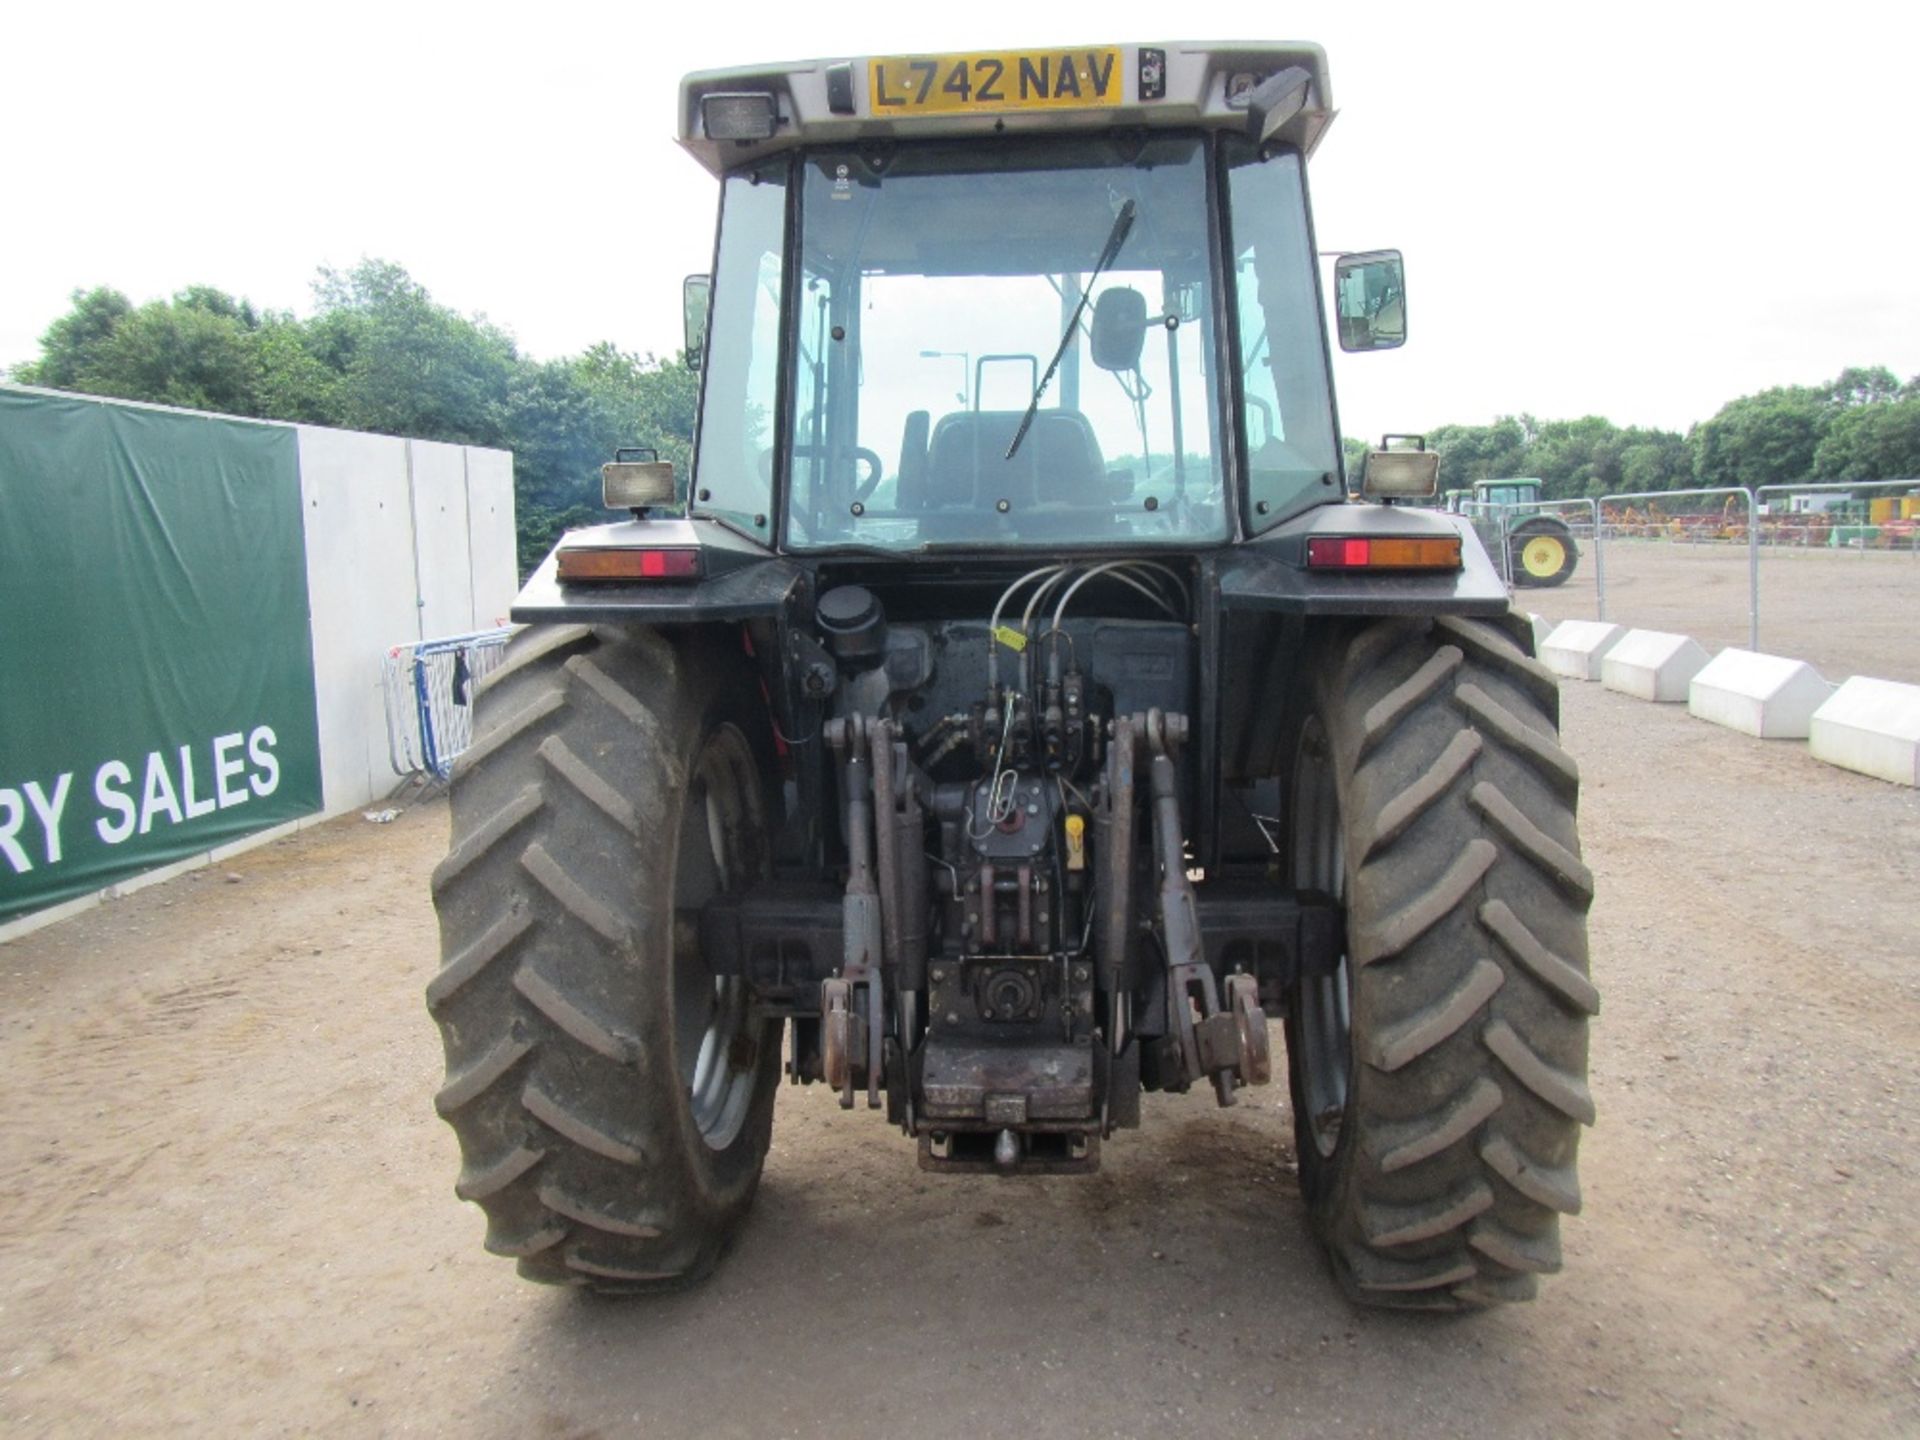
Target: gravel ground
x,y
226,1208
1848,612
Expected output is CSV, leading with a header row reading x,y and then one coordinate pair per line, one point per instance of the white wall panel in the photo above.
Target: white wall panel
x,y
360,591
440,537
494,561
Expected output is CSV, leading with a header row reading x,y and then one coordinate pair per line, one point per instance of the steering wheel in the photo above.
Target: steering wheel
x,y
863,487
876,467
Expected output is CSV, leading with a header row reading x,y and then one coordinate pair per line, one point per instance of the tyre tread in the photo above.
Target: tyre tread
x,y
1467,901
1560,977
468,1085
473,960
1544,852
561,1084
1420,1032
1452,1123
1393,707
1566,1093
574,898
599,1036
1423,791
569,1124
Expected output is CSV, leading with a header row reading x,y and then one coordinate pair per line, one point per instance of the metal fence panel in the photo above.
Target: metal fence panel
x,y
428,688
1752,528
1797,529
1489,522
1651,535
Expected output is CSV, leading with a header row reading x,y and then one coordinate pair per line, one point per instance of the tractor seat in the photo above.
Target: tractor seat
x,y
1058,461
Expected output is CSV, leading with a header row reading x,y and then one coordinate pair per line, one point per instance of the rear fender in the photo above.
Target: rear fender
x,y
740,581
1270,574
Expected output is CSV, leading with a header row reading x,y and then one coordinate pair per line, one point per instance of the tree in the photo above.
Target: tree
x,y
1872,442
1482,452
1868,385
292,381
1762,439
1652,460
70,351
1573,457
406,365
194,350
194,355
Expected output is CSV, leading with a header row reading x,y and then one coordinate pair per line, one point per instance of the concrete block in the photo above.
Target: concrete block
x,y
1872,726
1576,647
1763,695
1653,665
1542,628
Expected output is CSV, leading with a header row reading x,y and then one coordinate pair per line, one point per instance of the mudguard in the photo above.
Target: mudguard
x,y
740,581
1271,575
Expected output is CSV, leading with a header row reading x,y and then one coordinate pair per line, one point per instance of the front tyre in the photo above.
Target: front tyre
x,y
1439,1074
612,1097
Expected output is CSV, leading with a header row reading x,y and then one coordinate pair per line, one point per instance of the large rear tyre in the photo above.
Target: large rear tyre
x,y
1543,554
612,1097
1439,1075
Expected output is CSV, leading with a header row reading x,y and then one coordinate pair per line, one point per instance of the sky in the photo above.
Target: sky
x,y
1633,210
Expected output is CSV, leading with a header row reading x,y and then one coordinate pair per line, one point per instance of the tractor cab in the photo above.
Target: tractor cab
x,y
1035,299
1513,494
1508,494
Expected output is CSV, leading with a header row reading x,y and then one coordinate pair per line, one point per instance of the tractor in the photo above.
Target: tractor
x,y
999,756
1540,548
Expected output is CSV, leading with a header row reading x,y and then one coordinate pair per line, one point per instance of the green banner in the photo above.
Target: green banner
x,y
156,666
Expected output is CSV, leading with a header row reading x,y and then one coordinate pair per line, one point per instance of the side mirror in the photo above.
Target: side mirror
x,y
1370,300
695,295
1119,329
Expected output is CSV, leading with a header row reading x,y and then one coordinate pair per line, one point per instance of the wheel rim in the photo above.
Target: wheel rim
x,y
1542,556
1324,1025
714,1038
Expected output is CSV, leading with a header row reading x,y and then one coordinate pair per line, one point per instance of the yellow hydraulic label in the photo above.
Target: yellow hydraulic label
x,y
1014,640
1076,842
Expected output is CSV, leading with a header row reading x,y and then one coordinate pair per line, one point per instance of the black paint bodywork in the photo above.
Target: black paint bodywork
x,y
1254,605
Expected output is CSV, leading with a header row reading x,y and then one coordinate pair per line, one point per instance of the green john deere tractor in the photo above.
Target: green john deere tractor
x,y
1540,547
996,756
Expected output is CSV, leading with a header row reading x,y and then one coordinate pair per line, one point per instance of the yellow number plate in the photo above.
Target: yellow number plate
x,y
1004,80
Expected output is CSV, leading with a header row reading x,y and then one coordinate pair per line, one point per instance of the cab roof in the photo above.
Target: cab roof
x,y
1062,89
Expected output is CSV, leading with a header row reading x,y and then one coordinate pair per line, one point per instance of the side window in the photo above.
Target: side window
x,y
733,467
1288,439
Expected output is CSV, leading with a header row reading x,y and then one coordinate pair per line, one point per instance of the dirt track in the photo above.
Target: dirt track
x,y
226,1206
1847,612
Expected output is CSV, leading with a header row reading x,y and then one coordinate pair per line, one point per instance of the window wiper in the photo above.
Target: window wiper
x,y
1116,237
